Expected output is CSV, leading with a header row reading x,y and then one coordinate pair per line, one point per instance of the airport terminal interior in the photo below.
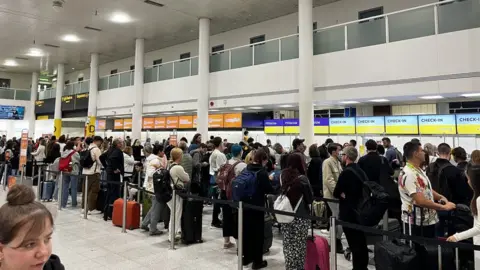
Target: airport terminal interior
x,y
284,74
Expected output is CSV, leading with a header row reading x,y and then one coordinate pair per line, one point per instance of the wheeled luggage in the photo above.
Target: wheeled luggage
x,y
47,190
268,235
192,221
448,257
317,253
133,214
101,199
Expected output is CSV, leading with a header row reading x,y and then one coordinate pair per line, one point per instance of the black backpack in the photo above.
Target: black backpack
x,y
162,185
439,182
86,160
373,203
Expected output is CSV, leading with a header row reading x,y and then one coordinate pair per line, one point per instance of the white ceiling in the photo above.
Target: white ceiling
x,y
32,23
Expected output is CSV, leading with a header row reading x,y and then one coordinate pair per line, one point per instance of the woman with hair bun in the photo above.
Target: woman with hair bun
x,y
25,233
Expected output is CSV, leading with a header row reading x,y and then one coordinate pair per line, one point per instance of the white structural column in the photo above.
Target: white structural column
x,y
92,96
204,77
305,69
138,83
31,111
58,100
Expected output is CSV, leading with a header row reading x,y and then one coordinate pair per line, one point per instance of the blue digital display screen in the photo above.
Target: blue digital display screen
x,y
12,112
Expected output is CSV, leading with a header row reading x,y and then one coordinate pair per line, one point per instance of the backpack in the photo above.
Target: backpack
x,y
65,164
225,175
162,184
434,173
244,186
373,203
282,203
86,160
398,156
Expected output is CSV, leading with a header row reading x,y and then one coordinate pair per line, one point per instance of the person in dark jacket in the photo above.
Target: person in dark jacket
x,y
460,157
115,169
253,237
374,165
314,171
323,149
350,182
297,188
137,150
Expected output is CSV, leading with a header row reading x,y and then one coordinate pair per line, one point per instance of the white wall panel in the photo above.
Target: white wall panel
x,y
18,80
118,101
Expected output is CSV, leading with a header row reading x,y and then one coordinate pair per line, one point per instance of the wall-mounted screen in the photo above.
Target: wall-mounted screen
x,y
370,125
291,126
345,125
320,125
405,124
12,112
437,124
274,126
468,123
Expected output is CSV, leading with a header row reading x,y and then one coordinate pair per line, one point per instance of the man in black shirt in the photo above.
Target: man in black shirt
x,y
374,165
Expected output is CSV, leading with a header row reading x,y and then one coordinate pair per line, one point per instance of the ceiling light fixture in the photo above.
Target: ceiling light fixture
x,y
213,110
168,113
349,102
380,100
471,95
256,108
286,106
34,52
70,38
431,97
10,63
120,17
238,109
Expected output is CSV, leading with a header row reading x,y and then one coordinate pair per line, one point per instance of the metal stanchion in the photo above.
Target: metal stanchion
x,y
124,210
39,184
333,243
240,236
139,196
457,261
22,173
440,258
385,224
172,229
5,180
60,188
85,199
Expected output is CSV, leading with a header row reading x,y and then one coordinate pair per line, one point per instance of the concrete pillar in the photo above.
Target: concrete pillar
x,y
305,69
138,85
204,77
57,122
92,96
31,111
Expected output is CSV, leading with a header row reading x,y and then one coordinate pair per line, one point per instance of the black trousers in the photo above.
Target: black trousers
x,y
216,207
113,193
358,245
253,235
229,225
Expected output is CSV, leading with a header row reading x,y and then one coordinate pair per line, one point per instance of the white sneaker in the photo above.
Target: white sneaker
x,y
95,212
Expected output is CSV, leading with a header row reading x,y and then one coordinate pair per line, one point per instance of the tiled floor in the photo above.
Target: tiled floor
x,y
95,244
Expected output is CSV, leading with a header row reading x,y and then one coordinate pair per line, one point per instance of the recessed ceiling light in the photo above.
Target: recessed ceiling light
x,y
238,109
286,106
256,108
10,63
431,97
120,17
179,112
349,102
471,95
73,68
380,100
70,38
34,52
213,110
168,113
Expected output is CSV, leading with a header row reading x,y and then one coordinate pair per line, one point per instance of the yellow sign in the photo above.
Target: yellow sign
x,y
57,127
90,128
42,117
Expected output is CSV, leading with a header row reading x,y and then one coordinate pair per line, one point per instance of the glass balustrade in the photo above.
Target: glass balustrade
x,y
182,68
103,83
412,24
165,72
113,81
219,61
22,95
367,33
85,87
126,79
459,15
242,57
7,93
194,66
289,48
329,40
267,52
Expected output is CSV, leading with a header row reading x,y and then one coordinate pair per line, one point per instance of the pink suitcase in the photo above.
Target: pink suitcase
x,y
317,253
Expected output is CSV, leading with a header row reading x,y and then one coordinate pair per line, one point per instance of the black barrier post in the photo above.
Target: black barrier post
x,y
85,199
172,230
333,243
385,224
124,210
5,180
60,188
39,183
240,236
139,197
22,174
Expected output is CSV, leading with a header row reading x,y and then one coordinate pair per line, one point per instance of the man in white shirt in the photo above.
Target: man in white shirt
x,y
217,160
93,174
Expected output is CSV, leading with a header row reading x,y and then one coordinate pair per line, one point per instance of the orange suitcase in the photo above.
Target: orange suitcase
x,y
133,214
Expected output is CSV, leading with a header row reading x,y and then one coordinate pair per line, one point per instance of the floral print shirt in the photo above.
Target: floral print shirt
x,y
413,180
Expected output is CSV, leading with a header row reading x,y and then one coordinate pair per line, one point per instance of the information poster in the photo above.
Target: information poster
x,y
160,123
127,123
370,125
148,123
468,124
172,122
274,126
185,122
118,124
232,120
344,125
405,124
291,126
23,149
437,124
320,125
101,124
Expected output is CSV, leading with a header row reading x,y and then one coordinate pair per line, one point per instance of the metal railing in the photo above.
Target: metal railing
x,y
15,94
172,70
117,80
77,88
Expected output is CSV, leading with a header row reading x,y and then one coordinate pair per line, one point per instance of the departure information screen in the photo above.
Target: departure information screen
x,y
437,124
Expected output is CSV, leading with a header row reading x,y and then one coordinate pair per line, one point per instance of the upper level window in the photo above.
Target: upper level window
x,y
67,82
257,39
365,14
113,71
80,79
157,62
218,48
185,55
315,25
132,67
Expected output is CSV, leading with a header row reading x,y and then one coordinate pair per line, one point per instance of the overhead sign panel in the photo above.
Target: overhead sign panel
x,y
160,123
437,124
370,125
118,124
291,126
215,121
127,123
274,126
232,120
405,124
468,124
172,122
320,125
185,122
345,125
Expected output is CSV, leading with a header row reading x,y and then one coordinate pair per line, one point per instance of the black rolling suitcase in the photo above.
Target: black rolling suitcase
x,y
192,221
101,199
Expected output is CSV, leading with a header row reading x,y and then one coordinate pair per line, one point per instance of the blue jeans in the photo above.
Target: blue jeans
x,y
69,181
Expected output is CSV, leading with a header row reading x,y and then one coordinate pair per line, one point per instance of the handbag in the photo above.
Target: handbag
x,y
282,203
